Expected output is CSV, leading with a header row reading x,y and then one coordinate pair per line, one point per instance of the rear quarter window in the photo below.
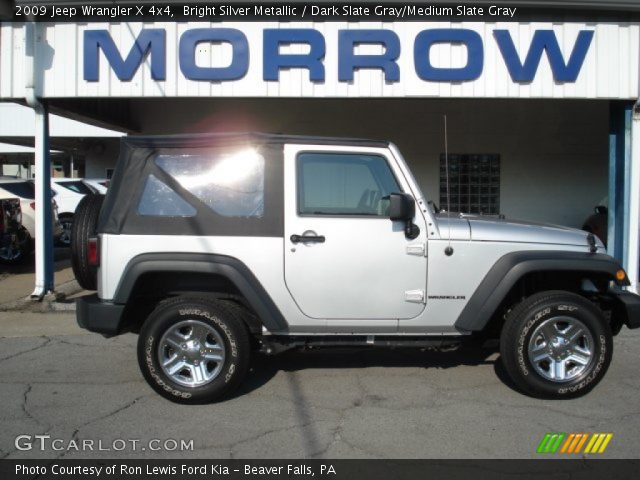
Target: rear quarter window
x,y
230,183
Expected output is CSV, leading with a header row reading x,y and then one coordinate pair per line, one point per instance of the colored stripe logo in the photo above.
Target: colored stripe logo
x,y
573,443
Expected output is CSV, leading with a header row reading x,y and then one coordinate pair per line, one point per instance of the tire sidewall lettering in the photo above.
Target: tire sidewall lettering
x,y
149,359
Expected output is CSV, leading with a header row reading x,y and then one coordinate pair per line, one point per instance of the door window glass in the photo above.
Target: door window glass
x,y
344,184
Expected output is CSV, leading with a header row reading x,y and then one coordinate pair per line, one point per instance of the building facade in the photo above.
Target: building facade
x,y
540,115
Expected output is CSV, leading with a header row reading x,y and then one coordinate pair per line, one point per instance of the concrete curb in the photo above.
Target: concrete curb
x,y
52,302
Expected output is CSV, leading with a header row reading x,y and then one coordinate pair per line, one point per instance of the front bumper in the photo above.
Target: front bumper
x,y
627,307
99,316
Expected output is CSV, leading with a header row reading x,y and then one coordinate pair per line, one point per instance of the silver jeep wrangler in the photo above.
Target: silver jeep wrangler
x,y
215,246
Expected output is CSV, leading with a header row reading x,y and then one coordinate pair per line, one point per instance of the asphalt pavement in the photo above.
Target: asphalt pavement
x,y
56,380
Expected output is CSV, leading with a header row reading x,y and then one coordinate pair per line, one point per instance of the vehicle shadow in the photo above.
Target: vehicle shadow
x,y
265,367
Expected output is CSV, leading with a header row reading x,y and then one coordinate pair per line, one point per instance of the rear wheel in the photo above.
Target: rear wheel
x,y
556,345
84,227
193,350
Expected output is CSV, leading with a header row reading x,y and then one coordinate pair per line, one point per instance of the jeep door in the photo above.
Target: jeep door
x,y
344,257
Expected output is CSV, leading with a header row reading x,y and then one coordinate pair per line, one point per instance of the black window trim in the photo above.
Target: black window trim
x,y
384,156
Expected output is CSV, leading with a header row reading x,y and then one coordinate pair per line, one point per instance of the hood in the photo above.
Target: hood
x,y
487,228
500,230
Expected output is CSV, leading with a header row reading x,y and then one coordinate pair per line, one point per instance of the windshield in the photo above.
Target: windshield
x,y
24,189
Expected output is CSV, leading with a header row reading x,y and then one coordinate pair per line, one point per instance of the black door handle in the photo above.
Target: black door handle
x,y
307,238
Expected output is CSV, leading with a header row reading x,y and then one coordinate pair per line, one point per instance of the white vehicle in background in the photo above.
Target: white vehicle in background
x,y
68,192
24,190
100,185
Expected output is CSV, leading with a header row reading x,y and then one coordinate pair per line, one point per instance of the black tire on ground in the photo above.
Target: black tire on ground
x,y
85,223
178,334
20,251
547,325
66,219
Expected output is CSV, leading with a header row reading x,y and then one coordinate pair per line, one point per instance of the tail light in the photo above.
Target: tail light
x,y
33,205
93,256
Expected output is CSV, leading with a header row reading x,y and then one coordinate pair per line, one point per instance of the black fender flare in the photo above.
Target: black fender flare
x,y
229,267
513,266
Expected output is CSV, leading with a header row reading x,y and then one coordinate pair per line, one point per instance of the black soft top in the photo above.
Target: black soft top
x,y
224,139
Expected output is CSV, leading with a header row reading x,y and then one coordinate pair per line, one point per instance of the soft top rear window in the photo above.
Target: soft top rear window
x,y
229,183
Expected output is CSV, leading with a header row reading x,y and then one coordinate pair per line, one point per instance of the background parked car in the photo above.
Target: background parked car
x,y
68,193
24,191
99,185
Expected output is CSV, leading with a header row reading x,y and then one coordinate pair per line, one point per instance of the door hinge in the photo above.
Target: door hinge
x,y
414,296
419,249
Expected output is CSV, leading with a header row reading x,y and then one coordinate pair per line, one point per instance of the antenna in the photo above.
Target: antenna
x,y
448,251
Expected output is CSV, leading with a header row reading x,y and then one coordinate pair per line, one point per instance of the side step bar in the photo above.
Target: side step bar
x,y
274,344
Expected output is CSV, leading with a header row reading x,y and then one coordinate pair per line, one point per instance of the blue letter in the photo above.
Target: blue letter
x,y
543,40
149,41
274,60
475,55
240,51
348,61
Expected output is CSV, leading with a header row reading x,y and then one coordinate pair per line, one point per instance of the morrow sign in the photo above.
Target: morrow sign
x,y
151,44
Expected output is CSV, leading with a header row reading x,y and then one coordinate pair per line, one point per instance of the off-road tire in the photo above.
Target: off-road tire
x,y
519,327
85,223
215,314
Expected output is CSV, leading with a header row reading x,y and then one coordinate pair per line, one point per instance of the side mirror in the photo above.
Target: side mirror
x,y
402,207
602,210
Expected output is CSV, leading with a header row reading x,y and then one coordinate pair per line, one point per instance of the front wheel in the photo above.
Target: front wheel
x,y
193,350
556,344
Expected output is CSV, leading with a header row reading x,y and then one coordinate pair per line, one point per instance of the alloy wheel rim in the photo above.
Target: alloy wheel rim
x,y
65,238
10,253
191,353
561,349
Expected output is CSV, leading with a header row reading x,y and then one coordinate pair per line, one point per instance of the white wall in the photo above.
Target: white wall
x,y
554,154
